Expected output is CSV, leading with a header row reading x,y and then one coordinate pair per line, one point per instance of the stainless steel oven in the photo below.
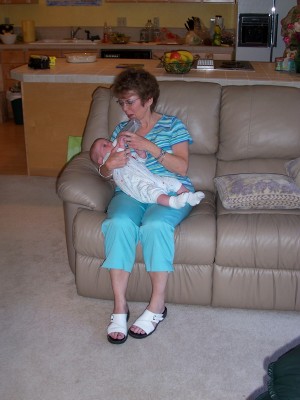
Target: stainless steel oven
x,y
256,30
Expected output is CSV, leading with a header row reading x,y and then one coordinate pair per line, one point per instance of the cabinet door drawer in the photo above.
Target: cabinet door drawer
x,y
13,56
43,52
18,1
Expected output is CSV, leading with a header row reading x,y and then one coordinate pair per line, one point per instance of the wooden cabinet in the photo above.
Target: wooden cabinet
x,y
57,52
19,2
44,52
10,59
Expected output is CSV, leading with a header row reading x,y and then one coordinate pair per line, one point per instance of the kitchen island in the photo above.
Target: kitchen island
x,y
56,101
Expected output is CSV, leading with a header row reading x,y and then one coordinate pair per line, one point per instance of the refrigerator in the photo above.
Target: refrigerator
x,y
277,9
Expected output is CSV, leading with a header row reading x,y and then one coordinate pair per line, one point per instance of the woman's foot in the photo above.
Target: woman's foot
x,y
146,324
117,329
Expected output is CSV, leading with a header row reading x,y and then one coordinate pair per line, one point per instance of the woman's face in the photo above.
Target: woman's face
x,y
132,106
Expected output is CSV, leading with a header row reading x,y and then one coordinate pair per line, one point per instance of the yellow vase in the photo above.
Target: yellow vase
x,y
28,28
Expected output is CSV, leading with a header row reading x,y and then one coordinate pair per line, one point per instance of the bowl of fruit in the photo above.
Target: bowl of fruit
x,y
178,61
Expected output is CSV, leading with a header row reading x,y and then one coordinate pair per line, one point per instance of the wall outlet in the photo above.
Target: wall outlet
x,y
121,21
156,22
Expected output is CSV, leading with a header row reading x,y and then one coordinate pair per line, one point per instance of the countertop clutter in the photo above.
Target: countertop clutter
x,y
93,38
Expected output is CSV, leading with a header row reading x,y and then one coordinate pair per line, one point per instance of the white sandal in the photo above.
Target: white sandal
x,y
118,323
145,322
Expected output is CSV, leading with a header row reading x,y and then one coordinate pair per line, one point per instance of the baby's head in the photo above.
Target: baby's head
x,y
99,149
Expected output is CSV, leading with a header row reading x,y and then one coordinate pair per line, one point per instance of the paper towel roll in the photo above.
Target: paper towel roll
x,y
28,28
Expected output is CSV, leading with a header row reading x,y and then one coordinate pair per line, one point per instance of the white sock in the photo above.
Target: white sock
x,y
195,198
179,201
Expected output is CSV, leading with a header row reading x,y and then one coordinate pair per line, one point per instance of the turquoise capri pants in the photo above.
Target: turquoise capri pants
x,y
128,222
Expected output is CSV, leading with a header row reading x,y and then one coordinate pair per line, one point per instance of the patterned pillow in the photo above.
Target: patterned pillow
x,y
293,170
258,191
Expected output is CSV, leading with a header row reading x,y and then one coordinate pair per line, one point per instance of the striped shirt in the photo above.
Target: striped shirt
x,y
167,132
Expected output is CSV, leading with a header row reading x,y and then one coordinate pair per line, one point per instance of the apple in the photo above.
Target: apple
x,y
175,55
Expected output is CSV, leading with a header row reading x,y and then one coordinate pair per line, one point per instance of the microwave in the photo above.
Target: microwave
x,y
256,30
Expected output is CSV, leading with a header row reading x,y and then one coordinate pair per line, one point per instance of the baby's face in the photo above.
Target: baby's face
x,y
104,146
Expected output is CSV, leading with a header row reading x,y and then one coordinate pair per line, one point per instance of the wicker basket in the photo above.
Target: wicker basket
x,y
177,67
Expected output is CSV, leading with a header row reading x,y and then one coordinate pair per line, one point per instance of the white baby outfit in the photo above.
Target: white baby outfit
x,y
138,182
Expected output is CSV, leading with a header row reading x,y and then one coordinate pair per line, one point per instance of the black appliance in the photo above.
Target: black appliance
x,y
257,30
233,65
126,53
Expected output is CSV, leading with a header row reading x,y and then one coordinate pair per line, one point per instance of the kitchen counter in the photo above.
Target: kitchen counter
x,y
104,70
56,101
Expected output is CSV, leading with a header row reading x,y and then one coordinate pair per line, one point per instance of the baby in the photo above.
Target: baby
x,y
138,182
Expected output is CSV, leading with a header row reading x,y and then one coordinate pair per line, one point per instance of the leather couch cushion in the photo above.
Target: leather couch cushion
x,y
195,237
256,123
259,239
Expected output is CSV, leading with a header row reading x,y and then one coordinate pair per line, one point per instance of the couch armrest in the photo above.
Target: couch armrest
x,y
80,183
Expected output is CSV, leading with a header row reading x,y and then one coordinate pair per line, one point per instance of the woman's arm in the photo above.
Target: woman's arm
x,y
176,162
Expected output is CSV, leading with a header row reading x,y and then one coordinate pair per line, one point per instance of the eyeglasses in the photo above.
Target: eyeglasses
x,y
128,102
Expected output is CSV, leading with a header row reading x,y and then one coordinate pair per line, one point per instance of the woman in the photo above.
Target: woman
x,y
165,139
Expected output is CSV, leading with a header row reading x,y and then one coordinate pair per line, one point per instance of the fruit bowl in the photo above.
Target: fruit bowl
x,y
177,67
178,62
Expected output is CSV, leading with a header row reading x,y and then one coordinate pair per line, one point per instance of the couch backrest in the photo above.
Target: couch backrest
x,y
197,104
259,128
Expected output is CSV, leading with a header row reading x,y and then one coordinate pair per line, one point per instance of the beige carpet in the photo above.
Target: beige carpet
x,y
53,343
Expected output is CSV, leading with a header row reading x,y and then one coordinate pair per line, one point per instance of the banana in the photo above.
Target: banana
x,y
185,56
188,55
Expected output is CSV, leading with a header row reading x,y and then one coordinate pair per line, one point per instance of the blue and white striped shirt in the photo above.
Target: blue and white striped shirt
x,y
167,132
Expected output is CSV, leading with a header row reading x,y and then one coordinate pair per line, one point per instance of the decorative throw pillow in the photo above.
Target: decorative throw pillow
x,y
258,191
293,170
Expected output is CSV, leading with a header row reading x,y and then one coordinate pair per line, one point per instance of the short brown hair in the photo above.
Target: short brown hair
x,y
139,81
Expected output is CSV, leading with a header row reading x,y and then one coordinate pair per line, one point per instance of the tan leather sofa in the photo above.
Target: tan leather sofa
x,y
228,258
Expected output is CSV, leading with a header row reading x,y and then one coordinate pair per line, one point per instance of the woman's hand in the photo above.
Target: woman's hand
x,y
117,159
139,144
136,142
